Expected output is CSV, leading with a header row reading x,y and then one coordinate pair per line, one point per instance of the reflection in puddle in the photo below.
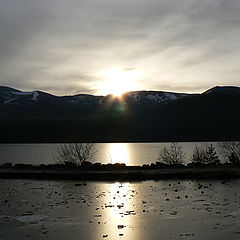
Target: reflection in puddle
x,y
118,153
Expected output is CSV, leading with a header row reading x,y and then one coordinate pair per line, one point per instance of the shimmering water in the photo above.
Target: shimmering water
x,y
170,209
128,153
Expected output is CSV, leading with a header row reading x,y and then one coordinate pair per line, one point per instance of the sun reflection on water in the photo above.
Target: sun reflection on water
x,y
118,153
120,212
118,198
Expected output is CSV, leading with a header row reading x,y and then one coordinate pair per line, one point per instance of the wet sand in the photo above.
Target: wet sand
x,y
168,209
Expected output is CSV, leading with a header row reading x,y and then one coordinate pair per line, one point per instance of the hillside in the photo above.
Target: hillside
x,y
138,116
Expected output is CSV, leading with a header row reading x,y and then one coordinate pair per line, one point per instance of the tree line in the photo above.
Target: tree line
x,y
76,154
202,155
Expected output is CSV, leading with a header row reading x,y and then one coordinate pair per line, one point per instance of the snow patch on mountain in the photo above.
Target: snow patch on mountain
x,y
135,97
161,98
34,94
9,100
77,99
152,97
170,96
164,97
11,97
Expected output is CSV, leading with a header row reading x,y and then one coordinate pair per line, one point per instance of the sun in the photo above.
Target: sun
x,y
118,82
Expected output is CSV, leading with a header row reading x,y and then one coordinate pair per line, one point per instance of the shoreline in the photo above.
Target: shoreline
x,y
211,173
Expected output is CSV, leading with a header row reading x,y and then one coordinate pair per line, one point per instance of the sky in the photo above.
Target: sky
x,y
79,46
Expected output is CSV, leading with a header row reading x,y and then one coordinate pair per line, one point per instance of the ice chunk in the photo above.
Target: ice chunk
x,y
30,218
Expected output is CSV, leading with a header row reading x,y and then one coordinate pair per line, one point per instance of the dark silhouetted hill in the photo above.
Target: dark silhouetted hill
x,y
138,116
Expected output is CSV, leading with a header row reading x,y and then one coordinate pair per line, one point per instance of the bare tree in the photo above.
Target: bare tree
x,y
205,156
231,151
199,155
172,155
75,153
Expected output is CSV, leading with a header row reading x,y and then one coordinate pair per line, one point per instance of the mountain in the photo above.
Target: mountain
x,y
16,101
228,91
38,116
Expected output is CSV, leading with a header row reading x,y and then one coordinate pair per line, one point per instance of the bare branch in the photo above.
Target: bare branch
x,y
75,153
230,151
172,155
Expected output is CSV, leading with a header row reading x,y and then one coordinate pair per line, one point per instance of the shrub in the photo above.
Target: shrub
x,y
75,154
172,155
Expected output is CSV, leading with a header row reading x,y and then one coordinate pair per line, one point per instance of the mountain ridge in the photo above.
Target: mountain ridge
x,y
139,116
12,96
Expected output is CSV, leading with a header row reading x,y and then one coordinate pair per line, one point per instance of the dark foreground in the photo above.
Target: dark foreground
x,y
73,210
122,174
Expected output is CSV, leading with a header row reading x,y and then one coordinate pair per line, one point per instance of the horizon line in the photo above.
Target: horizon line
x,y
99,95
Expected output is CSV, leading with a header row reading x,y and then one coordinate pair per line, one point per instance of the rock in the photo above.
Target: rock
x,y
121,226
6,165
77,184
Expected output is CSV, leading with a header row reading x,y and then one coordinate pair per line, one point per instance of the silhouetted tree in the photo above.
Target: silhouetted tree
x,y
233,158
172,155
205,156
231,151
212,157
199,155
75,153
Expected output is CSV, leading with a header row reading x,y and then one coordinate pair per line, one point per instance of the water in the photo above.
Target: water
x,y
128,153
169,209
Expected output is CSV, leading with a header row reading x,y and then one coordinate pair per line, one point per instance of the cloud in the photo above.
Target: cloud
x,y
61,46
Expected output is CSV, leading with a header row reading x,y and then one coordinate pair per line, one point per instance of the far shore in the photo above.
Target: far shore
x,y
119,172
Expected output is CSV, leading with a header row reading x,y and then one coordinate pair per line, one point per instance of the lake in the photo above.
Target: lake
x,y
170,209
128,153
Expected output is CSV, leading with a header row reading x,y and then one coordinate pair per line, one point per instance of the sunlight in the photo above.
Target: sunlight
x,y
119,199
120,210
118,153
118,82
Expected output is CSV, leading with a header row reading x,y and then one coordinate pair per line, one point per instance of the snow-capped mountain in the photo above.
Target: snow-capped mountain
x,y
14,96
38,102
37,116
10,97
152,97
